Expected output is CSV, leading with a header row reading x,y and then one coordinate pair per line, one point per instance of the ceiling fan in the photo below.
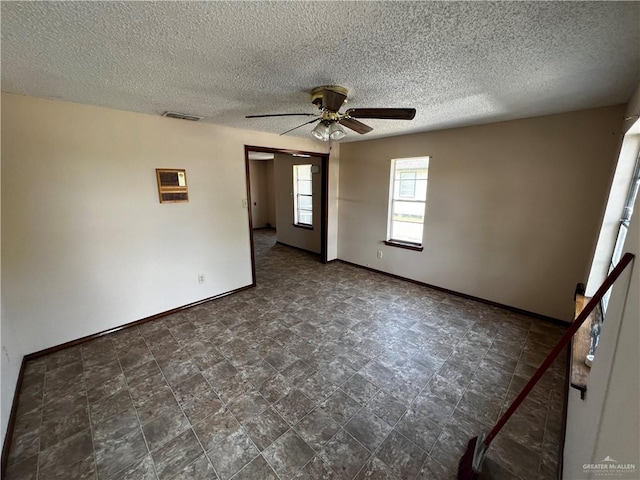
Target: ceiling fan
x,y
329,99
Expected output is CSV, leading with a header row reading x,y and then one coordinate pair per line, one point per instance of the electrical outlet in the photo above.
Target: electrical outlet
x,y
201,278
379,253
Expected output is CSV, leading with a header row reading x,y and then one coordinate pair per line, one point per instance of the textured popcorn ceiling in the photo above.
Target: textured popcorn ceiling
x,y
456,63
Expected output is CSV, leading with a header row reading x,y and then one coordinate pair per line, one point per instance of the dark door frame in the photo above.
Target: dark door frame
x,y
324,197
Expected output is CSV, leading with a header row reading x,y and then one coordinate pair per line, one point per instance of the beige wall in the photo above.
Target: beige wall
x,y
86,246
513,208
607,421
287,233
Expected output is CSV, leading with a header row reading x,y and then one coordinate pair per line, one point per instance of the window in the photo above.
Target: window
x,y
302,196
407,200
625,221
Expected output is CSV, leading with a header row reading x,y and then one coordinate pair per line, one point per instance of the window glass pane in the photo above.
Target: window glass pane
x,y
304,202
304,187
407,232
408,192
305,217
303,195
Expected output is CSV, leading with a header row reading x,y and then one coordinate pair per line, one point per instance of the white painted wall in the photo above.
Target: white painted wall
x,y
607,422
87,246
286,232
513,208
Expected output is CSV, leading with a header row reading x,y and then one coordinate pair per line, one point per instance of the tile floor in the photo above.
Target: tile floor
x,y
320,372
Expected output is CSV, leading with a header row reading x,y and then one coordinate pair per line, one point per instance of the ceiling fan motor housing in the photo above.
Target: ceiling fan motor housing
x,y
317,94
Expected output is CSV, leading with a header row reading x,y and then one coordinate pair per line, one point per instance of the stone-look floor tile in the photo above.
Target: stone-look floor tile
x,y
434,407
454,438
106,389
368,429
294,406
168,425
375,469
359,388
433,470
25,470
85,469
132,359
317,429
265,428
257,469
201,469
316,469
142,470
63,381
484,408
98,374
275,388
248,405
57,428
403,457
156,405
114,427
340,406
177,367
226,381
232,454
258,373
202,406
204,354
24,445
344,455
444,389
514,457
387,407
216,428
297,372
337,372
30,401
109,406
190,388
317,388
288,454
62,358
64,405
55,461
120,453
176,455
418,427
142,388
28,422
145,370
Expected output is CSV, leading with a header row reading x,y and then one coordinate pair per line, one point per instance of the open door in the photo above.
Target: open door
x,y
291,194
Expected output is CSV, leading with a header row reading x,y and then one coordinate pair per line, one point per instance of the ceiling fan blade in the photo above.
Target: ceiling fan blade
x,y
385,113
332,100
355,125
305,123
282,115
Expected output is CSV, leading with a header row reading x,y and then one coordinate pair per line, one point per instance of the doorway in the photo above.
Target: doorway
x,y
287,190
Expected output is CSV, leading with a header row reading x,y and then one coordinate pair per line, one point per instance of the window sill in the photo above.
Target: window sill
x,y
408,246
306,227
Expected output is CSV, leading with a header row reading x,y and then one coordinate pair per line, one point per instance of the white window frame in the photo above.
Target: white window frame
x,y
297,208
398,193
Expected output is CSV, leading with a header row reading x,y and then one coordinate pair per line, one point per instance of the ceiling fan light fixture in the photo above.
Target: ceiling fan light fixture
x,y
321,132
336,132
